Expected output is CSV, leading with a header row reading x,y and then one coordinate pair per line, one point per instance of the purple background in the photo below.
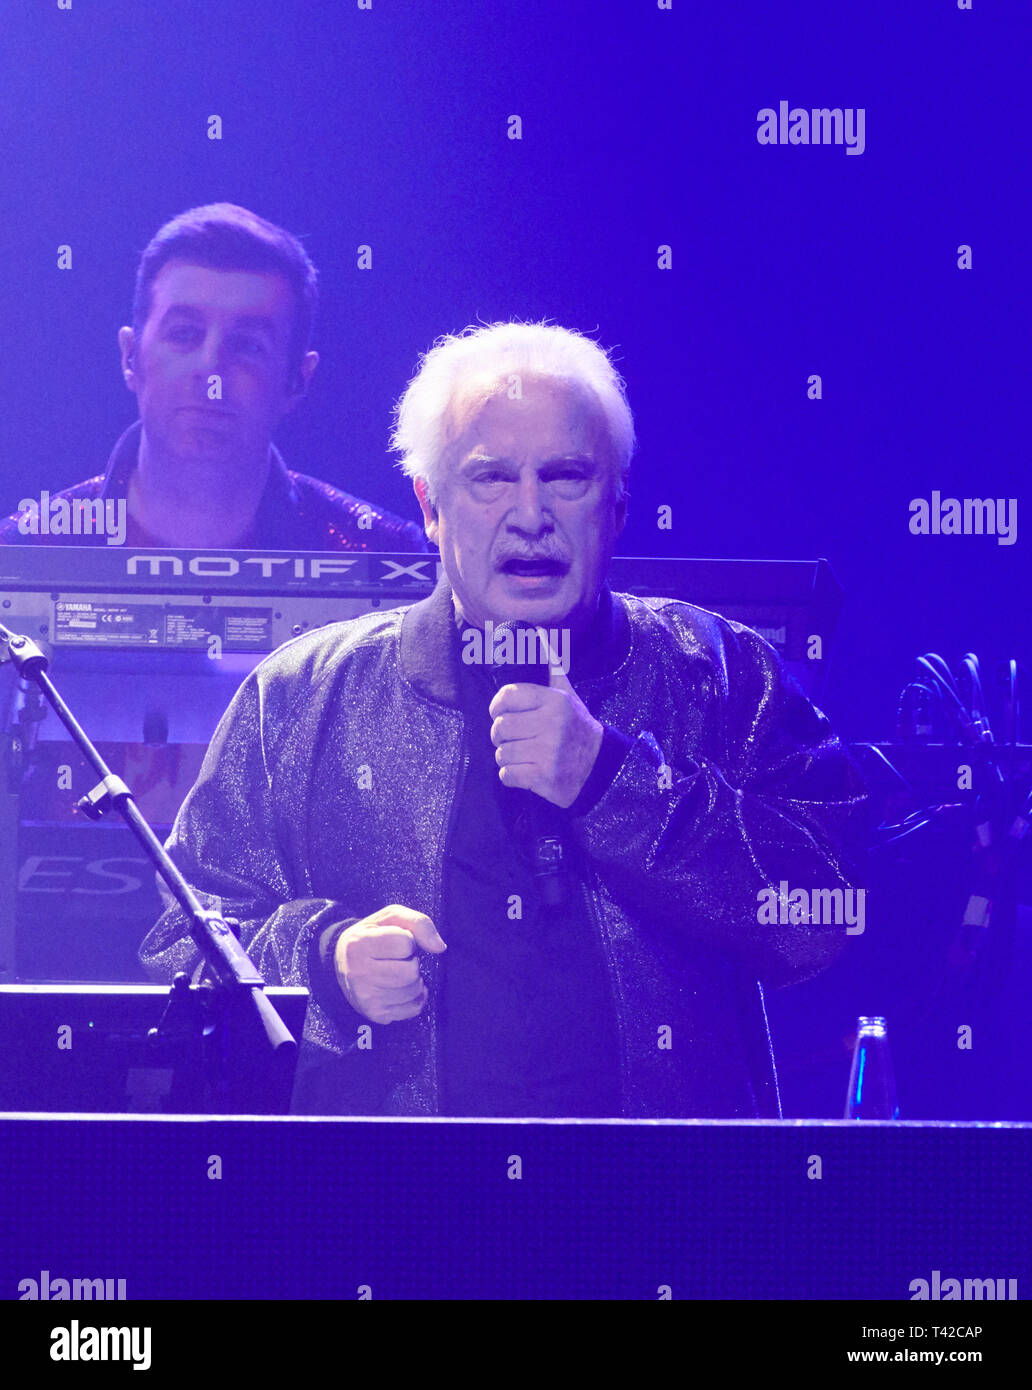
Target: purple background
x,y
388,127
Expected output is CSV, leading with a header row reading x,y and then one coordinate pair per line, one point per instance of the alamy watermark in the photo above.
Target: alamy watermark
x,y
507,645
45,1288
76,516
78,1343
823,907
965,516
939,1288
815,125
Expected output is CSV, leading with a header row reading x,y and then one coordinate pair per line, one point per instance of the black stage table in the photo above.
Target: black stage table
x,y
188,1207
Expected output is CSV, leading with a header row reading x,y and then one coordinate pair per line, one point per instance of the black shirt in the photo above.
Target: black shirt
x,y
526,1014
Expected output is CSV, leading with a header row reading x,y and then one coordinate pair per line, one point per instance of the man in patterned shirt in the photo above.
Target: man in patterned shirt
x,y
217,355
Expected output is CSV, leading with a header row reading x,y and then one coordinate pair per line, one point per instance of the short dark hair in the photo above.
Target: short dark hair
x,y
223,236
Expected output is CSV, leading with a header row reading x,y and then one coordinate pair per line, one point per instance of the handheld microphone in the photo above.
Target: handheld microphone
x,y
545,821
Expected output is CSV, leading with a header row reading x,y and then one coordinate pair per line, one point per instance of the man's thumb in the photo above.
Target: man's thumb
x,y
558,679
427,936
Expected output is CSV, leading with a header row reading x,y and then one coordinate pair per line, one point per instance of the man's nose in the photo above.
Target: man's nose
x,y
212,357
529,511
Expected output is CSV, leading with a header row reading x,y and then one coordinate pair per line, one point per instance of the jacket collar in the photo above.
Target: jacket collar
x,y
429,644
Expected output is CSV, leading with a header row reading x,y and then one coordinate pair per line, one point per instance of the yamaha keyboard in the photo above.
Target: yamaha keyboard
x,y
252,601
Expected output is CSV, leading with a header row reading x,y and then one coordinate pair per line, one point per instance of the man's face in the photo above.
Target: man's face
x,y
527,512
232,324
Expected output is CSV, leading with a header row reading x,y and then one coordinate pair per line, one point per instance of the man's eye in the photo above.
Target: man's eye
x,y
182,335
569,483
250,347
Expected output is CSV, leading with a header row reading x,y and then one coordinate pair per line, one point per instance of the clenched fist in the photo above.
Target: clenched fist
x,y
546,740
376,965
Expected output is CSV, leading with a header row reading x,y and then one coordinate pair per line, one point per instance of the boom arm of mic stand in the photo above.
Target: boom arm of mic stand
x,y
232,967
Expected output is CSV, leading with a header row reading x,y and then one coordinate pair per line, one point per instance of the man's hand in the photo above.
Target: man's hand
x,y
546,741
376,966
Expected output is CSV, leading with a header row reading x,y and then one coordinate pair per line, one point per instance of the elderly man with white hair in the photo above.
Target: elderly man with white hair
x,y
509,897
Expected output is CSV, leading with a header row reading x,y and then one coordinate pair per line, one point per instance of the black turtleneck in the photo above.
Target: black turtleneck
x,y
525,1010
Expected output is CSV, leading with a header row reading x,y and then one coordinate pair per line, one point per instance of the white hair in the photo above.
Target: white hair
x,y
498,350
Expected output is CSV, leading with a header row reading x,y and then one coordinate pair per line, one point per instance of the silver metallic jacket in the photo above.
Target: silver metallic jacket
x,y
327,794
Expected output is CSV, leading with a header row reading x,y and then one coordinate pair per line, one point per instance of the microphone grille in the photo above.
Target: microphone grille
x,y
529,664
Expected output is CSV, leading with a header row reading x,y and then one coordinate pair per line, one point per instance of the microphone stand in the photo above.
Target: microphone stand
x,y
208,1031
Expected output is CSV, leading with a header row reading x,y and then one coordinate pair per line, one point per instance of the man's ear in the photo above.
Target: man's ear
x,y
127,349
301,379
430,523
